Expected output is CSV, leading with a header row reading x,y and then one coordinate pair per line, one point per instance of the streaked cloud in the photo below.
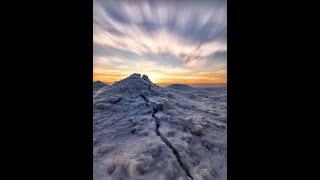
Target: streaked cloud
x,y
176,39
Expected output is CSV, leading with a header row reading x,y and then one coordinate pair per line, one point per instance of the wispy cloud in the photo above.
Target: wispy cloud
x,y
136,35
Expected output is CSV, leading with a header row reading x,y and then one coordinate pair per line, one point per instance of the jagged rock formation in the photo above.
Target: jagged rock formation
x,y
143,131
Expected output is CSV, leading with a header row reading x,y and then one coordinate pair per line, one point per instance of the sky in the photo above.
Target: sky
x,y
172,41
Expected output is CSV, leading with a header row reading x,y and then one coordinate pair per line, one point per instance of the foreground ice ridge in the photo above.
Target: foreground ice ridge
x,y
143,131
165,140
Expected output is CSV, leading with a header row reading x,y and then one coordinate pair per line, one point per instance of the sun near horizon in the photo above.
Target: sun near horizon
x,y
172,42
165,81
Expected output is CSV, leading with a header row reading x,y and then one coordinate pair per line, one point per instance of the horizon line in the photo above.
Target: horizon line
x,y
167,84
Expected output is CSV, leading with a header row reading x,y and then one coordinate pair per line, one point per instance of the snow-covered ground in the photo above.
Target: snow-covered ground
x,y
143,131
98,85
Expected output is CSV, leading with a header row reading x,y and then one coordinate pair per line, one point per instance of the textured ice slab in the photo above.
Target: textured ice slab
x,y
143,131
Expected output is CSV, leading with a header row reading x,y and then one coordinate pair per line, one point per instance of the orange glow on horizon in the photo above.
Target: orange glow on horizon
x,y
172,43
167,80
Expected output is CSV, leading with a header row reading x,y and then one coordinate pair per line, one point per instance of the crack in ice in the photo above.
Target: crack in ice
x,y
166,141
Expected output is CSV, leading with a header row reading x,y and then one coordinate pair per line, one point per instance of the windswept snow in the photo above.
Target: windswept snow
x,y
143,131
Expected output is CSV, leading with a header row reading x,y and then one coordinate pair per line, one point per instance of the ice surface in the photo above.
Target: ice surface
x,y
143,131
98,85
181,87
